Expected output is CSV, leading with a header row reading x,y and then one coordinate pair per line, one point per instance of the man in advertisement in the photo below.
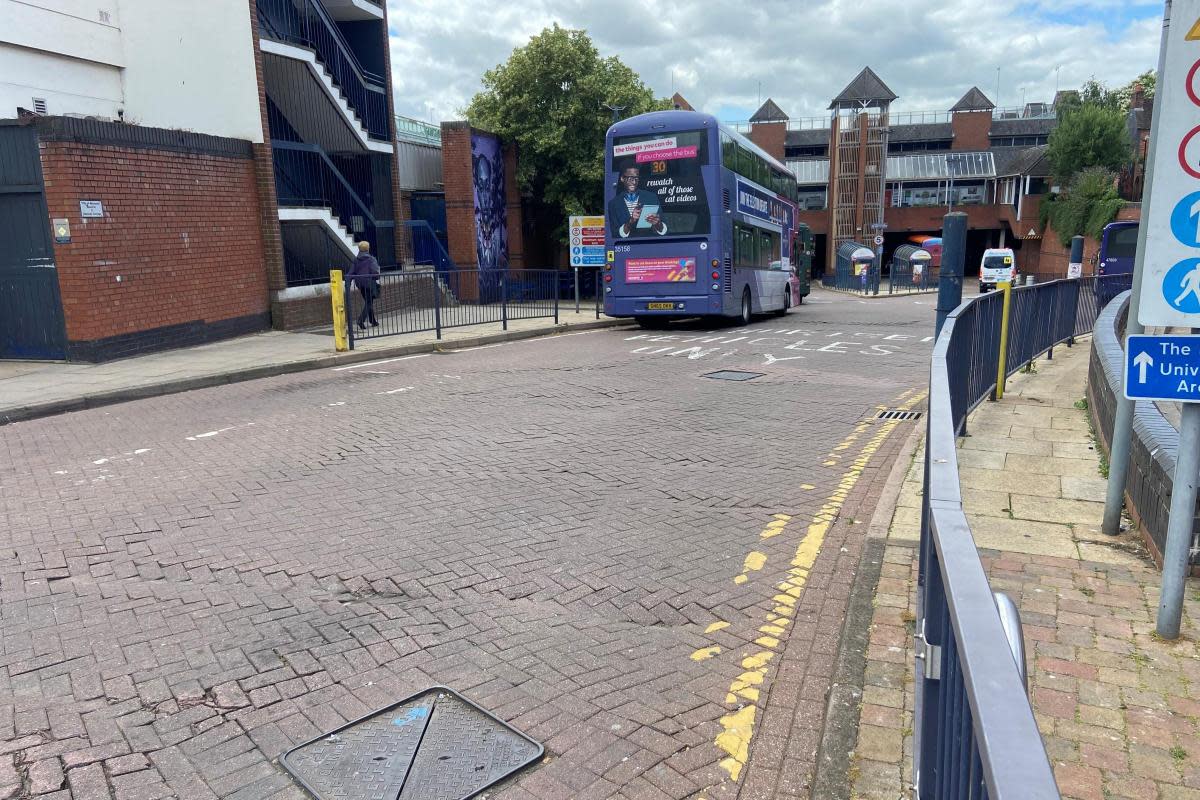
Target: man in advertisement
x,y
633,211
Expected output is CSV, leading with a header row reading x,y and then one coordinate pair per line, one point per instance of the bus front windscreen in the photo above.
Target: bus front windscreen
x,y
659,187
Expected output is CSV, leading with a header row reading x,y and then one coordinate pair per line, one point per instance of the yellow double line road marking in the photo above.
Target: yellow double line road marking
x,y
737,728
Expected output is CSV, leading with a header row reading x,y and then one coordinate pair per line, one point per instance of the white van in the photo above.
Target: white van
x,y
998,264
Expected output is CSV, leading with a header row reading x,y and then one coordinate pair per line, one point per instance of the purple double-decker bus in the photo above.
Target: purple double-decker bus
x,y
699,221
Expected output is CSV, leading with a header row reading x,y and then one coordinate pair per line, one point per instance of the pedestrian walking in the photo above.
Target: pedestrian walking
x,y
365,274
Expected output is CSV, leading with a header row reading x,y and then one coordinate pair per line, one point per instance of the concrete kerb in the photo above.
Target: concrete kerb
x,y
99,399
839,734
881,296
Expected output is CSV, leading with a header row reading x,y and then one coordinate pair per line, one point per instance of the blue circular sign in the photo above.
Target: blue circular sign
x,y
1181,286
576,250
1185,220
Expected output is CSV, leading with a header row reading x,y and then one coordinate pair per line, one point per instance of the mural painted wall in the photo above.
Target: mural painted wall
x,y
491,231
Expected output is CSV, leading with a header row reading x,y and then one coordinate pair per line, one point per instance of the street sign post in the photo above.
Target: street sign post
x,y
1163,368
587,246
1166,293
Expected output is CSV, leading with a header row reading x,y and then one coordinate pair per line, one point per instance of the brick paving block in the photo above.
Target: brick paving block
x,y
46,776
88,783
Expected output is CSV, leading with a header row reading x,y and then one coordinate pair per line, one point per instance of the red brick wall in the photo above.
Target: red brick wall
x,y
182,232
970,129
514,220
460,193
770,136
264,167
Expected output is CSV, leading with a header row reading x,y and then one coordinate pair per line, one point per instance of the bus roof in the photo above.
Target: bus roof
x,y
669,121
1123,223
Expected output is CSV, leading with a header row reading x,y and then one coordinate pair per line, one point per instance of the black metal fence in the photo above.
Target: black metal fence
x,y
435,300
975,735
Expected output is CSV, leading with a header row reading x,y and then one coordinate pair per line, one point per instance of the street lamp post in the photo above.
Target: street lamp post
x,y
616,111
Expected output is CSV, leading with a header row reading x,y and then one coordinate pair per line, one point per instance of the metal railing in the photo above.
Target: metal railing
x,y
435,300
305,176
306,23
415,130
974,734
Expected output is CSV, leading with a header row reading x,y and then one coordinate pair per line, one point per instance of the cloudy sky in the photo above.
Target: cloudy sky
x,y
725,56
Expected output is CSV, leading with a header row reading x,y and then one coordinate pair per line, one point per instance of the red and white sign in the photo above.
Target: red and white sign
x,y
1169,276
660,270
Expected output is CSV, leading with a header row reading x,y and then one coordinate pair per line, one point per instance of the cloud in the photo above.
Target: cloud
x,y
727,57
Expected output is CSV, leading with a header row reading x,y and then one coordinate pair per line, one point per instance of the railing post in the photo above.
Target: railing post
x,y
348,306
437,304
504,299
555,284
1002,365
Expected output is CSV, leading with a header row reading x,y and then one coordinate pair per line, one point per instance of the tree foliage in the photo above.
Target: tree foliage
x,y
548,98
1090,203
1091,135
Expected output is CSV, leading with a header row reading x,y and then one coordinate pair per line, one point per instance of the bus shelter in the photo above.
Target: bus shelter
x,y
910,270
856,269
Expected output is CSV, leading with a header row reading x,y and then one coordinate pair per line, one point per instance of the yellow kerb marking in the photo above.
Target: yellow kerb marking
x,y
754,561
705,653
807,486
738,727
735,739
716,626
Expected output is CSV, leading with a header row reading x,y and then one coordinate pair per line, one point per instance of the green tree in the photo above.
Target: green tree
x,y
548,98
1090,203
1091,135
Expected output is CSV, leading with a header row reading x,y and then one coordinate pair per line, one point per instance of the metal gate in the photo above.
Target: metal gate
x,y
31,313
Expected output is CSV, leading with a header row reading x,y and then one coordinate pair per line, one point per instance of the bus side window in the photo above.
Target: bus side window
x,y
728,152
764,250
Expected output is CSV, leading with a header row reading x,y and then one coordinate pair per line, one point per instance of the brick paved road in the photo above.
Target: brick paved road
x,y
191,584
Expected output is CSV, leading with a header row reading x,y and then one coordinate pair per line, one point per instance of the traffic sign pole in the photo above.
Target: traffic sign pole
x,y
1179,529
1122,437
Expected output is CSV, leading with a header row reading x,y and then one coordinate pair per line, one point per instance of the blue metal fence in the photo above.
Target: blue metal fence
x,y
975,735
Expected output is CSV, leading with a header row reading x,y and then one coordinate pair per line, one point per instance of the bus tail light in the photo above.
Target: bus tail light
x,y
716,275
716,263
608,278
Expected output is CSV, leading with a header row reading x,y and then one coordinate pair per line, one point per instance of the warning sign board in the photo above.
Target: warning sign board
x,y
587,241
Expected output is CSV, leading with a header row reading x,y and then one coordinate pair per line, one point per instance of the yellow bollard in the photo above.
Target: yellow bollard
x,y
337,294
1002,368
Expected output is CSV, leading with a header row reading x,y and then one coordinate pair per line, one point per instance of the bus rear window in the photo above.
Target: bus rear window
x,y
659,172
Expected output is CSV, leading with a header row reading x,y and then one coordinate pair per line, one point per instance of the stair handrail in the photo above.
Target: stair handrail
x,y
367,81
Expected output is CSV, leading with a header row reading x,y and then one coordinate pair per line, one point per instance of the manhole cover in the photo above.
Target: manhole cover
x,y
898,415
733,375
435,745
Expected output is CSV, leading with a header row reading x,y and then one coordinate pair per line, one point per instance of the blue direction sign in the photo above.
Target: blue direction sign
x,y
1163,368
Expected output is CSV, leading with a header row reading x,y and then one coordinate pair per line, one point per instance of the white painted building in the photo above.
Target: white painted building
x,y
174,64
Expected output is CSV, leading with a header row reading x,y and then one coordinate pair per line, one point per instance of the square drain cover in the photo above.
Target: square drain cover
x,y
435,745
733,375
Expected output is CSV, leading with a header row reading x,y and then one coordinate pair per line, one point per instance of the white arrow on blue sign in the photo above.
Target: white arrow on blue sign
x,y
1163,368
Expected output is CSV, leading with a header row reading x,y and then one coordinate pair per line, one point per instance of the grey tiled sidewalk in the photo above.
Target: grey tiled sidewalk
x,y
1118,708
54,386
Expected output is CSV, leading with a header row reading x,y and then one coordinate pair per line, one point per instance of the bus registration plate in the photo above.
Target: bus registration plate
x,y
660,306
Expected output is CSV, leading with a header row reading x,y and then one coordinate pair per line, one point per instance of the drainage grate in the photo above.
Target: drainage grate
x,y
896,415
435,745
733,375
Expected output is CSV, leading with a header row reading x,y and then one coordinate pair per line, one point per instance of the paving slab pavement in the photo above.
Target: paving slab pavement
x,y
1118,708
31,389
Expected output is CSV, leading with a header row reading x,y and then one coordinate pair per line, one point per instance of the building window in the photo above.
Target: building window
x,y
815,151
923,146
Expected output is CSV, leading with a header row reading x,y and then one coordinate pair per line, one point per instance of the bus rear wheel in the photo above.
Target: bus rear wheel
x,y
744,316
787,303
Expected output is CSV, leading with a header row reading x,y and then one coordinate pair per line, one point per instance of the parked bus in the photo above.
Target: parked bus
x,y
699,221
931,245
1118,245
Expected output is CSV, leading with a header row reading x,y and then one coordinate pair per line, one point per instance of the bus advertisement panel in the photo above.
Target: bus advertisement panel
x,y
660,189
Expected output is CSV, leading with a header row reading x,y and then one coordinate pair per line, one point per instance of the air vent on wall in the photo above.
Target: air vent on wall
x,y
39,105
